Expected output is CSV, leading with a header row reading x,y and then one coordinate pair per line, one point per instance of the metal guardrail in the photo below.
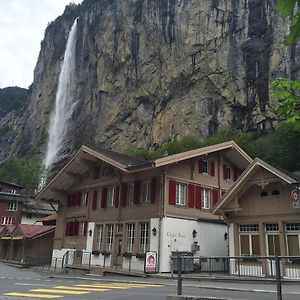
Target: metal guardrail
x,y
267,267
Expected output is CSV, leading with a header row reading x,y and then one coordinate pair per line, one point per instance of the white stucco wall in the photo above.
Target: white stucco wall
x,y
25,220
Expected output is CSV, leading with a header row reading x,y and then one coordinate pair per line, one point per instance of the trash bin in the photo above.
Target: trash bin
x,y
186,262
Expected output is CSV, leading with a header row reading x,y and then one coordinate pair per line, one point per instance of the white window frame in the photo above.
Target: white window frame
x,y
81,230
292,228
84,198
205,198
99,236
7,220
99,198
130,193
144,237
130,237
12,206
109,236
229,173
111,197
181,193
272,229
146,191
248,230
205,167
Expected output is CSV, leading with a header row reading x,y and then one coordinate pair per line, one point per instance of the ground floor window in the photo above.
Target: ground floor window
x,y
99,236
130,237
293,238
109,236
144,237
272,235
7,220
249,240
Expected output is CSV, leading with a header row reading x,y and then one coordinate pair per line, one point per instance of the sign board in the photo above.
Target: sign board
x,y
151,262
295,199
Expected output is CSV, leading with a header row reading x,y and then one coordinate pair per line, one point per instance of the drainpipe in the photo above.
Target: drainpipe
x,y
161,215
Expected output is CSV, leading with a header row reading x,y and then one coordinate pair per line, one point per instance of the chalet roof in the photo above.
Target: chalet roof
x,y
86,158
285,176
48,218
11,184
33,231
1,228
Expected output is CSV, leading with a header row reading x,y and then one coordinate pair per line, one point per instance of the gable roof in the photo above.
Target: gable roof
x,y
33,231
282,174
80,164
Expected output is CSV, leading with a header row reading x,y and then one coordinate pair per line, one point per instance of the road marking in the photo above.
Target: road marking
x,y
32,295
58,291
32,284
91,289
104,286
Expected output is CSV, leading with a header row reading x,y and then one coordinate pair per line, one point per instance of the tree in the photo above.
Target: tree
x,y
288,91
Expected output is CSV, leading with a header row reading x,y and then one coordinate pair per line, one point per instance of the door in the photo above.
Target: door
x,y
119,251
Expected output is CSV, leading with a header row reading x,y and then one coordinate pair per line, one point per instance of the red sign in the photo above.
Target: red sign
x,y
151,262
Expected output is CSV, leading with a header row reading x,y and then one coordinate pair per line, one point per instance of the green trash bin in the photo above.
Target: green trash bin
x,y
187,262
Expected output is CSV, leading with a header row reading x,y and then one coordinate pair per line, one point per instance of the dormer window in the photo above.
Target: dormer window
x,y
205,167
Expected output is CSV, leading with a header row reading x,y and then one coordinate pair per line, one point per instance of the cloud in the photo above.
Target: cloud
x,y
22,26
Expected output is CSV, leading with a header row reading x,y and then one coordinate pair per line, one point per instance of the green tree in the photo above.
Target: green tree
x,y
288,91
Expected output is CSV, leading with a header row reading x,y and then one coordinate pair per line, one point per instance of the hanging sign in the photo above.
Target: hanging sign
x,y
151,262
295,199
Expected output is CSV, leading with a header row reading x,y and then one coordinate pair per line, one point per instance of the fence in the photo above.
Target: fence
x,y
76,259
268,267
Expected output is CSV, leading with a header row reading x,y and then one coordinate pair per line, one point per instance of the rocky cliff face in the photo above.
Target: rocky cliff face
x,y
152,70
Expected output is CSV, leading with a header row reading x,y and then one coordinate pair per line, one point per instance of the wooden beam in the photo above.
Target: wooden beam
x,y
86,162
73,176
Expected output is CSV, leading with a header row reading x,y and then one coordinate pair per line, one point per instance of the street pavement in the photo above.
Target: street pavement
x,y
28,284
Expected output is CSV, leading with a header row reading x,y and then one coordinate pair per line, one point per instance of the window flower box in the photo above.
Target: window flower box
x,y
127,254
96,252
105,253
140,255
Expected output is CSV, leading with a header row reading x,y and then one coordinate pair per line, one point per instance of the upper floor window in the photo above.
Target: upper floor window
x,y
7,220
146,191
205,167
205,203
180,193
111,197
12,206
84,198
130,193
229,173
13,191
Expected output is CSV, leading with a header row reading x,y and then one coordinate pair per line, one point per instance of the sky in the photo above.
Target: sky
x,y
22,27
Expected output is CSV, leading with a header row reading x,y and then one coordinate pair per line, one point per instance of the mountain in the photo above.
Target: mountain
x,y
148,71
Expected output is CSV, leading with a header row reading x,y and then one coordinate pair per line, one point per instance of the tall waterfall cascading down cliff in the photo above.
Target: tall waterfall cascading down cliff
x,y
64,103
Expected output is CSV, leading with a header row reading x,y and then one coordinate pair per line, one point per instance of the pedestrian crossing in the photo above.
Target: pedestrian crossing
x,y
60,291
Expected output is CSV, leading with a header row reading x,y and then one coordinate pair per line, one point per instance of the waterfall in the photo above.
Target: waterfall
x,y
64,102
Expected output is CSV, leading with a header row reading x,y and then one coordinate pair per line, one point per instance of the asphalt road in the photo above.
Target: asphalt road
x,y
28,285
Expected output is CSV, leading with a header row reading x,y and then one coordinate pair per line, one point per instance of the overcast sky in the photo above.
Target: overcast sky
x,y
22,26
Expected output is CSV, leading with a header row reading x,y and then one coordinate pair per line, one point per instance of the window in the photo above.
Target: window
x,y
119,228
275,193
84,198
293,238
144,237
12,206
205,199
264,194
99,236
83,228
273,244
111,193
13,191
7,220
180,193
130,237
109,236
249,239
28,215
229,173
146,191
99,198
205,166
130,193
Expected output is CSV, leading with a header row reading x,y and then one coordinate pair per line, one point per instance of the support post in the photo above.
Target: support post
x,y
278,278
179,276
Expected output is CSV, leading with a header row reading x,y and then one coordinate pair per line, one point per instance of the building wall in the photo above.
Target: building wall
x,y
4,212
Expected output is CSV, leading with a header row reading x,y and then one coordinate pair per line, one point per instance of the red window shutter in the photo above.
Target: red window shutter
x,y
191,195
153,189
87,198
85,227
78,201
95,197
96,173
215,196
198,196
212,168
104,198
172,192
73,201
71,228
117,191
69,200
67,228
76,228
124,190
235,173
200,166
136,193
225,175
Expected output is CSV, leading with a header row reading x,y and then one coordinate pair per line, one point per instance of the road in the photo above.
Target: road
x,y
28,285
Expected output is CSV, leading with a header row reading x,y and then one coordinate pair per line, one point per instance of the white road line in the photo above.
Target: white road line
x,y
31,284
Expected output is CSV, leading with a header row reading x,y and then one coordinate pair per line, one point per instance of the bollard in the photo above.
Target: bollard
x,y
278,278
179,276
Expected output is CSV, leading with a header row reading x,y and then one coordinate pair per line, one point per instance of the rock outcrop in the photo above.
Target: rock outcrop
x,y
152,70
